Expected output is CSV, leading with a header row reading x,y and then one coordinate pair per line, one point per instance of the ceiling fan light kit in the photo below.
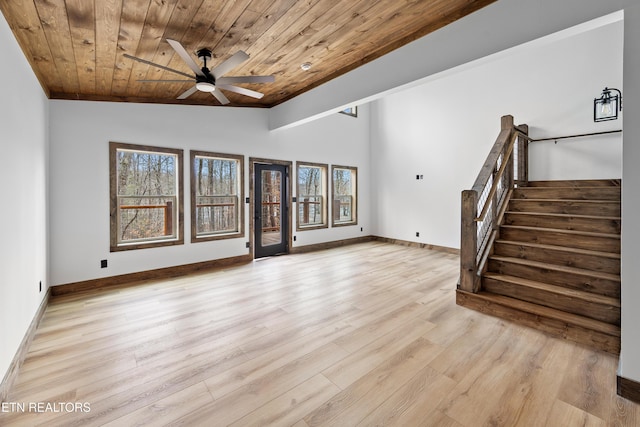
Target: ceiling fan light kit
x,y
205,79
205,87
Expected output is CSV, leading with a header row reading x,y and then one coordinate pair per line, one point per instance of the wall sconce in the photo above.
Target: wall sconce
x,y
606,107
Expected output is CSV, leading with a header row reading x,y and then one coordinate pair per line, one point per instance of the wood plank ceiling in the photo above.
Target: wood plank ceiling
x,y
76,47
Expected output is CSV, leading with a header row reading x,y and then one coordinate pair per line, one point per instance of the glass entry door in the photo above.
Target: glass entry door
x,y
270,204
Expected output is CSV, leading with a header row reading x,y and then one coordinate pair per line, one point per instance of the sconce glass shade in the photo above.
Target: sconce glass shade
x,y
607,106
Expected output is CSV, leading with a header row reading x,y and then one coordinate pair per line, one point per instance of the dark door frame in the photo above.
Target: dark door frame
x,y
252,179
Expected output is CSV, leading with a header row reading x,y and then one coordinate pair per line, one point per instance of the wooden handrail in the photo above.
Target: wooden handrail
x,y
143,206
477,228
488,168
167,218
213,205
497,177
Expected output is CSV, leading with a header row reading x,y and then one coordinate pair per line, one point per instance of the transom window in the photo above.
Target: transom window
x,y
312,195
216,196
344,184
350,111
146,196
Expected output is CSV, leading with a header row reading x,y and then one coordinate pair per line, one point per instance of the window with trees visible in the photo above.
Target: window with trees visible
x,y
216,196
312,195
146,196
344,195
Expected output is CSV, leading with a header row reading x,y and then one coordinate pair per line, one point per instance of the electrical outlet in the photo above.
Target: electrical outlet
x,y
361,229
103,263
417,234
248,245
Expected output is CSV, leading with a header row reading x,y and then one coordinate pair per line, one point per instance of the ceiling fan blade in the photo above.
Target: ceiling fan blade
x,y
187,93
180,50
144,61
245,79
236,59
164,81
241,91
220,97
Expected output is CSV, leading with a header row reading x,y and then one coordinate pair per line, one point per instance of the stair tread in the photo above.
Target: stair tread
x,y
573,293
599,201
560,230
610,182
573,187
557,267
561,248
540,310
563,215
578,188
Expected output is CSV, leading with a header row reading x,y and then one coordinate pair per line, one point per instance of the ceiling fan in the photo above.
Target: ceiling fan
x,y
207,80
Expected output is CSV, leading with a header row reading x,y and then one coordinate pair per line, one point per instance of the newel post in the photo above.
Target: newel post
x,y
506,122
523,156
468,241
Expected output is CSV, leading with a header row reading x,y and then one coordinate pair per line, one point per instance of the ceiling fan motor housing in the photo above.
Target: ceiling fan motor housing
x,y
204,54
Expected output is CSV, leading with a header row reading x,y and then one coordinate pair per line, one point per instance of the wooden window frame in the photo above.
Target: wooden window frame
x,y
325,195
354,185
240,184
115,246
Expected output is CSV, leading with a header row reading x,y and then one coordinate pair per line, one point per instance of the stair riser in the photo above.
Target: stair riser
x,y
589,309
576,193
595,225
559,257
611,208
583,335
578,183
596,285
593,243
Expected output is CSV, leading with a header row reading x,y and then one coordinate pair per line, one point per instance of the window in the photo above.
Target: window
x,y
216,196
312,196
146,196
350,111
345,197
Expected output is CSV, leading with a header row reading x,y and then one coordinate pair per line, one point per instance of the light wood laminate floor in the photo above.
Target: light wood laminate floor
x,y
362,335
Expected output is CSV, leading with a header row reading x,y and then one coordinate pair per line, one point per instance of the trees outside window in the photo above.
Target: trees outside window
x,y
344,184
216,196
146,196
311,195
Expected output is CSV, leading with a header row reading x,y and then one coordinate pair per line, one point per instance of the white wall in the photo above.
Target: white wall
x,y
79,178
445,128
630,354
23,246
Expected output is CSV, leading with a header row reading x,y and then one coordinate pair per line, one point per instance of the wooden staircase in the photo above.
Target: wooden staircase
x,y
555,264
